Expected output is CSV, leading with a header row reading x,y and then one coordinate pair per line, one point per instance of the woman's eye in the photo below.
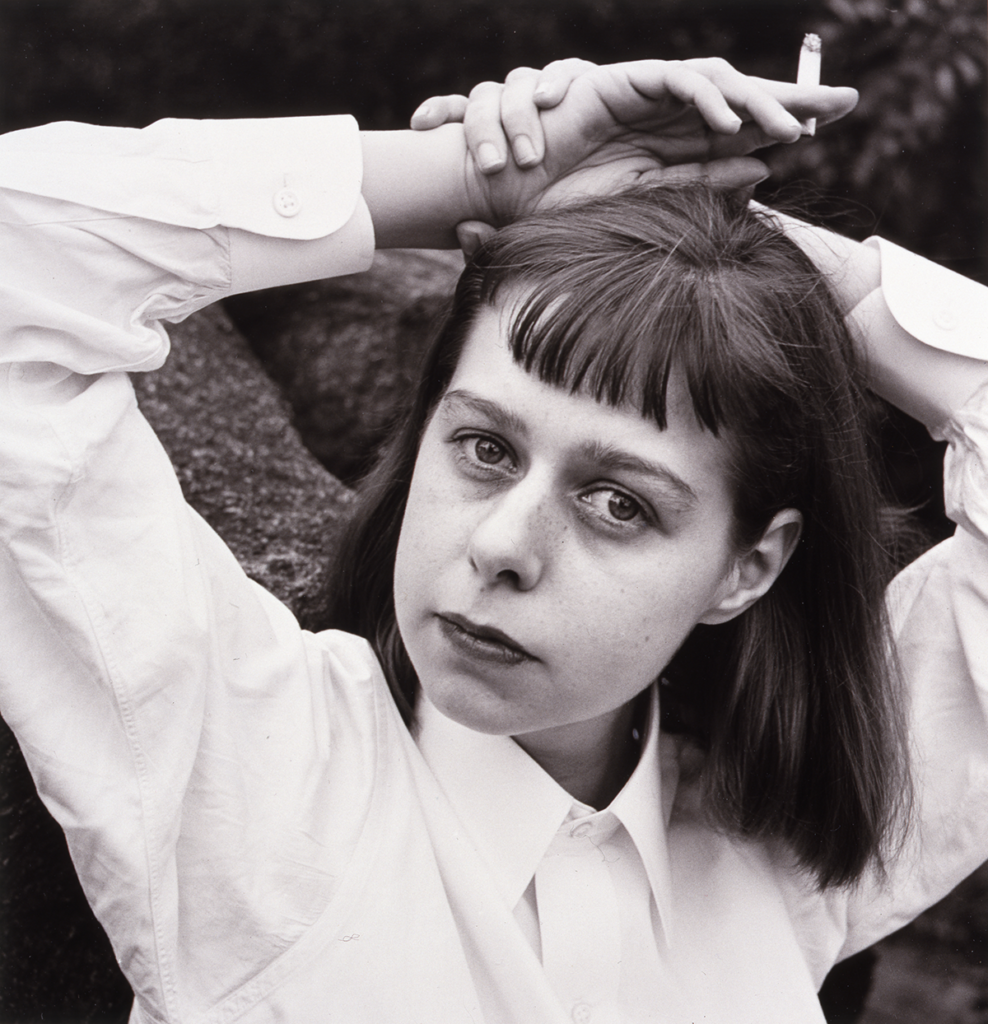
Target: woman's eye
x,y
488,451
482,454
610,505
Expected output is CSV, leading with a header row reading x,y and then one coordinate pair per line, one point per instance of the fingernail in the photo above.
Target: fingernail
x,y
524,151
489,158
541,93
422,111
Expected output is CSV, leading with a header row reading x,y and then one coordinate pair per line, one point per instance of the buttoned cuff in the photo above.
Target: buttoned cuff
x,y
289,191
933,304
293,177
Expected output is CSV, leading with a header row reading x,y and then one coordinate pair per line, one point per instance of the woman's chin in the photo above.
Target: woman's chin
x,y
483,712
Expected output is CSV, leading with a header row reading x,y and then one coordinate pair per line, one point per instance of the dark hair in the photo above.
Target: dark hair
x,y
796,701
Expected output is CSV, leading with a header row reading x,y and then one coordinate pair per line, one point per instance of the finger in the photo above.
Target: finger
x,y
520,117
687,83
750,138
471,234
826,103
482,126
736,172
832,104
778,107
439,110
747,97
556,78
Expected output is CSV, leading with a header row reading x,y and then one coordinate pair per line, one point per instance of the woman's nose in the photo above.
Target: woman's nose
x,y
510,543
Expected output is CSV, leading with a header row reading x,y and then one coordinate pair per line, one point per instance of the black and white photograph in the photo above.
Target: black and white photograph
x,y
493,512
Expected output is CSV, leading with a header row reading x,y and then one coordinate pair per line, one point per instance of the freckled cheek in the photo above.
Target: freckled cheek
x,y
636,622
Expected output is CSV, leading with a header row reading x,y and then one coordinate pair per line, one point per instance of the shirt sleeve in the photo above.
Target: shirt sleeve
x,y
108,231
152,687
939,615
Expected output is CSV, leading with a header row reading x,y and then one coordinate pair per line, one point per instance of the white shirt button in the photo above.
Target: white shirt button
x,y
581,1013
582,830
945,319
287,202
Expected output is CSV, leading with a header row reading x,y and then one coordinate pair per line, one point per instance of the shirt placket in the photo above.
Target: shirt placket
x,y
579,919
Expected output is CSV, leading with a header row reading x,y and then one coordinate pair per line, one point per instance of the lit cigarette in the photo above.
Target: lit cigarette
x,y
808,72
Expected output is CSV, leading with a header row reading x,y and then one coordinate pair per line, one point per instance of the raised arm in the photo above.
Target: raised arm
x,y
720,113
135,657
600,129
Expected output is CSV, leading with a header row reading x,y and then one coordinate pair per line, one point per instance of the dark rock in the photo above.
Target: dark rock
x,y
56,963
933,970
345,352
241,463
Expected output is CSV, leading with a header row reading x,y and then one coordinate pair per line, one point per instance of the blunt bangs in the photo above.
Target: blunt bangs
x,y
655,296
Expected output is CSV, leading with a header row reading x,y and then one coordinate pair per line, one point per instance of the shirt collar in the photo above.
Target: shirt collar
x,y
511,809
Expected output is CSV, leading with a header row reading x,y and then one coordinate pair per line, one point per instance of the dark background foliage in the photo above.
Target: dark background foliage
x,y
910,164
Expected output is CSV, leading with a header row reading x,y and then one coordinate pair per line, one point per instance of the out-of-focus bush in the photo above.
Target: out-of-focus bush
x,y
913,152
127,61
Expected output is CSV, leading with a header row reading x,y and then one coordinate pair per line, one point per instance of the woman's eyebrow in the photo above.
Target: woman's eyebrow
x,y
611,459
500,417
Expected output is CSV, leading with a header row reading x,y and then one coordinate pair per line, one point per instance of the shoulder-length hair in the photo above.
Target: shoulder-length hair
x,y
796,701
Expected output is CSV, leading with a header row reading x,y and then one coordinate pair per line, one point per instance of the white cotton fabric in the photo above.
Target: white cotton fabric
x,y
256,829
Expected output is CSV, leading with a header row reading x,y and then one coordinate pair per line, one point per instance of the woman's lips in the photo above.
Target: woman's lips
x,y
481,642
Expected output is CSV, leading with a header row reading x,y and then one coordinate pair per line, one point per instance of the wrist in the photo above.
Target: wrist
x,y
418,186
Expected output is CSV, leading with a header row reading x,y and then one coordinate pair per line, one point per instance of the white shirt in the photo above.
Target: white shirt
x,y
253,824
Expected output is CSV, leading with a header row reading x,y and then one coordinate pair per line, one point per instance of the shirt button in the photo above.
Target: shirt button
x,y
287,202
581,1013
945,319
581,831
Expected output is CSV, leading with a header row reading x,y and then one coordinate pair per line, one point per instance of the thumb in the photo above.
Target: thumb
x,y
471,234
736,172
728,172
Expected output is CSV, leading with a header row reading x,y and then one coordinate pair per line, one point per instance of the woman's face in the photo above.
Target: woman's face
x,y
555,552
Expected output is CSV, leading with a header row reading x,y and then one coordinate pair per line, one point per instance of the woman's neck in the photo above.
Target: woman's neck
x,y
591,760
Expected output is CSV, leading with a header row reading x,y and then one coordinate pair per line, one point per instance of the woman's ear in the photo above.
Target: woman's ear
x,y
756,570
